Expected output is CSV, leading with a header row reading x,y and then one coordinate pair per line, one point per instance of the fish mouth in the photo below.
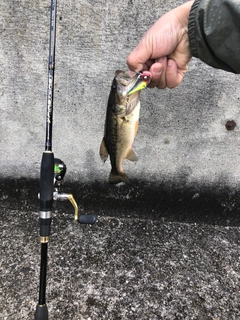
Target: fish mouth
x,y
125,100
128,85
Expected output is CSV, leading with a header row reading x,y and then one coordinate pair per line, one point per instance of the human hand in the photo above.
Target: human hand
x,y
164,49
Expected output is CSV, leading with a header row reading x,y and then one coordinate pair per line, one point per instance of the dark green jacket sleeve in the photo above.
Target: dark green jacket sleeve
x,y
214,33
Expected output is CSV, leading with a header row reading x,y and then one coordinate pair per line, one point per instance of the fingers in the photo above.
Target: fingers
x,y
165,72
174,75
158,71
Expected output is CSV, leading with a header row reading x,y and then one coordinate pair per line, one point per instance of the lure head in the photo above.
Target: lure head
x,y
141,82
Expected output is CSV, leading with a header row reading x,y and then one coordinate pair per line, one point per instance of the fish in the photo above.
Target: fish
x,y
121,123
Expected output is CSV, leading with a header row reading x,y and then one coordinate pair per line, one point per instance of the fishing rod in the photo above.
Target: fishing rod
x,y
52,173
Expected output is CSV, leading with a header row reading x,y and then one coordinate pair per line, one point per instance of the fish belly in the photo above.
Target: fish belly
x,y
121,142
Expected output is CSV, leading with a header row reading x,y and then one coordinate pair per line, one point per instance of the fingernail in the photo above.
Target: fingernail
x,y
169,63
160,59
157,73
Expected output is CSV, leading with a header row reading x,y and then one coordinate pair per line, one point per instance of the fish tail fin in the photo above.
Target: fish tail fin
x,y
116,177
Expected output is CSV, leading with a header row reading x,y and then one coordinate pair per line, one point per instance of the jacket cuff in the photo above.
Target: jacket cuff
x,y
192,31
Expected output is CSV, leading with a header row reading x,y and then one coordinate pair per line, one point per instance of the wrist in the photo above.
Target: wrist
x,y
183,13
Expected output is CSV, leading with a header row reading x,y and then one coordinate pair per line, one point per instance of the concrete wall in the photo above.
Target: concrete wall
x,y
182,135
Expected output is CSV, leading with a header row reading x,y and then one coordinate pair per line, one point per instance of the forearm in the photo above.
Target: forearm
x,y
214,33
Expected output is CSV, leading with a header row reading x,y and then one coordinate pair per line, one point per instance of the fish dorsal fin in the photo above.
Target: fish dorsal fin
x,y
132,156
103,151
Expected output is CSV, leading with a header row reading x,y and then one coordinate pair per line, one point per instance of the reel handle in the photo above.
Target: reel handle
x,y
87,219
83,218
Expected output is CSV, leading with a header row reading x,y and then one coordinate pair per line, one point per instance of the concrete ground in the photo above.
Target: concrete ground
x,y
152,254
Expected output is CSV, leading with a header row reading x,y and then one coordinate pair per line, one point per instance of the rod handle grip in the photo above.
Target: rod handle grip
x,y
46,181
41,312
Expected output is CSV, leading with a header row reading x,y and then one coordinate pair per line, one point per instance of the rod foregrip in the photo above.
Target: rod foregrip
x,y
46,181
46,192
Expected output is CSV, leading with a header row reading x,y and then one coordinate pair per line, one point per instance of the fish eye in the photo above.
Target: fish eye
x,y
114,85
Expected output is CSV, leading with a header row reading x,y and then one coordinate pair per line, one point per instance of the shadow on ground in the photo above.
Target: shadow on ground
x,y
139,261
168,202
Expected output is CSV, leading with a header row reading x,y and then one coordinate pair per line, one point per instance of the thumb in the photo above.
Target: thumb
x,y
138,58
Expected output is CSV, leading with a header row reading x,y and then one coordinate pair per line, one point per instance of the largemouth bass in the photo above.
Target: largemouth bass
x,y
121,124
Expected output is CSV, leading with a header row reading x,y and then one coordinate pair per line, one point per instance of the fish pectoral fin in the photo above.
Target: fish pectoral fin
x,y
103,151
132,156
